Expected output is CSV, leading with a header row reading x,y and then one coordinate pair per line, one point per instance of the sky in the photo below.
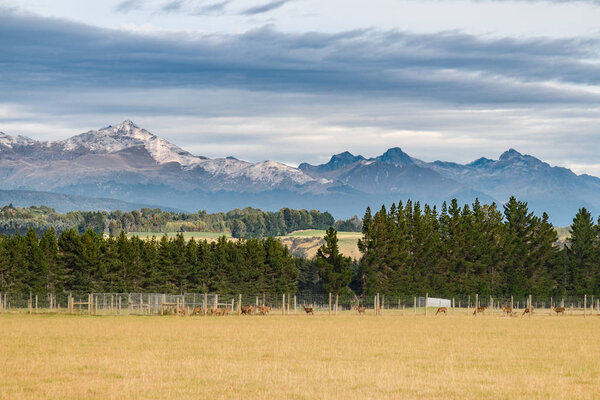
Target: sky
x,y
299,80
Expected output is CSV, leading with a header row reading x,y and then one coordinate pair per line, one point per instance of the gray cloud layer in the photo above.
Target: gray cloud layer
x,y
449,67
265,7
308,94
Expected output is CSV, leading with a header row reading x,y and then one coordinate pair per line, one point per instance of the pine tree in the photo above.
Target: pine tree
x,y
56,274
38,266
334,268
582,252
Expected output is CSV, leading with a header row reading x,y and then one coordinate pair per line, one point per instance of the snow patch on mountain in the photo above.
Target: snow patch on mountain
x,y
14,141
125,135
273,173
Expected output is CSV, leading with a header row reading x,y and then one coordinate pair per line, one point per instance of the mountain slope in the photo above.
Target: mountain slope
x,y
128,163
65,202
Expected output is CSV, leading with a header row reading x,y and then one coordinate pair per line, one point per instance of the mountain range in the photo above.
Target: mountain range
x,y
130,164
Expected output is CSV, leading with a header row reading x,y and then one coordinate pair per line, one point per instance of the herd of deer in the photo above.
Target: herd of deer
x,y
361,310
223,311
264,310
507,310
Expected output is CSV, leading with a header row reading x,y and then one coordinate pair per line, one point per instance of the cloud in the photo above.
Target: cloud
x,y
172,6
126,6
301,97
265,7
447,67
213,8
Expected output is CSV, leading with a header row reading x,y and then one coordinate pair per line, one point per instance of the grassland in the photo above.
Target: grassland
x,y
304,242
188,235
308,241
299,357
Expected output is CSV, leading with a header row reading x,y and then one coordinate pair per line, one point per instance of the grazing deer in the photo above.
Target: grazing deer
x,y
264,310
360,309
308,310
527,311
178,311
197,311
507,310
216,311
226,311
247,310
479,310
442,310
559,310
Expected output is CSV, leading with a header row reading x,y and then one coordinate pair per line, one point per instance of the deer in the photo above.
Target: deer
x,y
247,310
226,311
527,311
559,310
507,310
264,310
360,309
442,310
216,311
308,310
479,310
197,311
179,311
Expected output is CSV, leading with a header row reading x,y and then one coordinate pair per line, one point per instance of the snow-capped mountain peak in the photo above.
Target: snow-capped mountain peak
x,y
125,135
13,141
273,173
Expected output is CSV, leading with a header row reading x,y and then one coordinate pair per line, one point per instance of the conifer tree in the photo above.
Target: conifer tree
x,y
334,268
582,253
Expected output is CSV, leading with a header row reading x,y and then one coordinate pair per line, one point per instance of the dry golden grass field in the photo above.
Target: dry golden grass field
x,y
299,357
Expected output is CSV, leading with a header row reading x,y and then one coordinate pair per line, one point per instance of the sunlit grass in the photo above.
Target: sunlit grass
x,y
299,357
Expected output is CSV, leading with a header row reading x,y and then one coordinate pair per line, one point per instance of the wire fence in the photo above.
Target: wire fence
x,y
299,303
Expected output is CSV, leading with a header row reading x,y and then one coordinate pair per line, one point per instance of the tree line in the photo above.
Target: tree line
x,y
406,249
89,262
241,223
476,249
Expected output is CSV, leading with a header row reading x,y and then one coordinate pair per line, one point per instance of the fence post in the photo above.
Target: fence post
x,y
329,303
491,305
283,304
30,304
426,302
468,304
263,299
415,304
453,305
295,304
584,304
336,303
530,307
476,303
240,304
1,303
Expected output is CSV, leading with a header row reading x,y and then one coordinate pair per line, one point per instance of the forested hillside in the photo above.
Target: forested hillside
x,y
89,262
246,223
478,249
407,249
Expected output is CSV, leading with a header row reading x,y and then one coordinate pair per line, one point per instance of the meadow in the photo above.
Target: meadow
x,y
299,357
304,242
